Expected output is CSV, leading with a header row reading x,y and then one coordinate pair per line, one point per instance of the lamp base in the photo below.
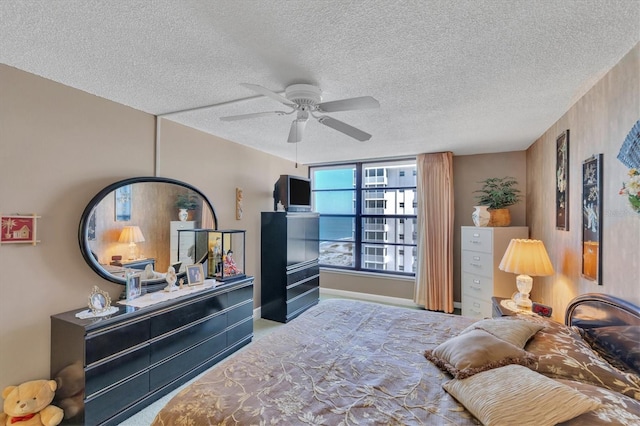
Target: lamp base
x,y
524,284
132,250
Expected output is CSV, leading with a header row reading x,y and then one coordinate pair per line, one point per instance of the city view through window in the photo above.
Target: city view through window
x,y
367,215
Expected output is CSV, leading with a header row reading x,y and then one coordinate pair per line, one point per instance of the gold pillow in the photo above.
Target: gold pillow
x,y
516,395
476,351
515,331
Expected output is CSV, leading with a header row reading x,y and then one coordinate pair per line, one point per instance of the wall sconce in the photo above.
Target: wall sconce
x,y
526,257
131,235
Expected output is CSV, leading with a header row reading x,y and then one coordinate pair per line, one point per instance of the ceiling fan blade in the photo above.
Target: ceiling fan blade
x,y
297,130
266,92
344,128
363,102
253,115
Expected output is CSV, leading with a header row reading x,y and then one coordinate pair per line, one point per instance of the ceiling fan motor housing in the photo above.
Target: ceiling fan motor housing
x,y
303,94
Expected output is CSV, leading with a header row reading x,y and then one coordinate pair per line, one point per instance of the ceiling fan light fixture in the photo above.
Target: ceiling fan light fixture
x,y
297,129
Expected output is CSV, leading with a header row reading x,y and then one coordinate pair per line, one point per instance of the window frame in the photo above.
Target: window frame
x,y
359,189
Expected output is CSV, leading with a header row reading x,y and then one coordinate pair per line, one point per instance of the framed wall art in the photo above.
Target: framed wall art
x,y
592,218
18,229
562,181
123,203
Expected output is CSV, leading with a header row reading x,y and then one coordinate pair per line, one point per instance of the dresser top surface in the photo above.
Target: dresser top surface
x,y
130,313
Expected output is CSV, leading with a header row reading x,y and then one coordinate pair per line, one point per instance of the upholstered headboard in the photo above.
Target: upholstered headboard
x,y
610,325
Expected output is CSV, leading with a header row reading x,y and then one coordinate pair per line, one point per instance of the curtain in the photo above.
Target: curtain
x,y
434,272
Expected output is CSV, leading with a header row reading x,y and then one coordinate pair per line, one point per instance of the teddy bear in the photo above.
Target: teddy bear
x,y
70,393
28,404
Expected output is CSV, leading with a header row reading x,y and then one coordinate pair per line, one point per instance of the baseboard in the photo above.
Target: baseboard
x,y
257,312
367,296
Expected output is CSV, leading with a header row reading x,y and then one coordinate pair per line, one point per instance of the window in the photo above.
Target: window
x,y
363,219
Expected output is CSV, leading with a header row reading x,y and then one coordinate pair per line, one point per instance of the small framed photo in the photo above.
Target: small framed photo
x,y
195,274
134,286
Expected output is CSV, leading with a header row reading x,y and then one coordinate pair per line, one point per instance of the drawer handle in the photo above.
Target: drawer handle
x,y
475,234
474,241
476,304
473,287
476,257
473,311
476,281
475,264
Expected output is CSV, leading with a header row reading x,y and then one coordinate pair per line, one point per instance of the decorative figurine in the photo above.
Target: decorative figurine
x,y
230,267
171,279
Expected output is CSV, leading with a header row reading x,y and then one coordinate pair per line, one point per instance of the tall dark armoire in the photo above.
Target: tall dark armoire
x,y
290,281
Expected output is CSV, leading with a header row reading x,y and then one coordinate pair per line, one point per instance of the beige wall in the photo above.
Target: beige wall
x,y
598,123
59,147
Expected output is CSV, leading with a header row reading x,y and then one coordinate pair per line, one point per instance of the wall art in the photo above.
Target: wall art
x,y
562,181
18,228
592,218
123,203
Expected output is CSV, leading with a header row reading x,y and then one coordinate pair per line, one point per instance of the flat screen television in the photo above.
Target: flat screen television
x,y
293,192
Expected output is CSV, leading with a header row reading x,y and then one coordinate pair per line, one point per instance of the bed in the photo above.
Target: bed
x,y
348,362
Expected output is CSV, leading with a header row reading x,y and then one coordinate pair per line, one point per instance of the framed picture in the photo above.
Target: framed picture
x,y
592,218
123,203
195,274
134,286
18,229
562,181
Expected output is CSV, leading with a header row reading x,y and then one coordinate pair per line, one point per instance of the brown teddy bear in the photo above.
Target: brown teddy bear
x,y
70,393
28,404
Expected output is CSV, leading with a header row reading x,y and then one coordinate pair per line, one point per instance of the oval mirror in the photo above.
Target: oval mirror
x,y
141,225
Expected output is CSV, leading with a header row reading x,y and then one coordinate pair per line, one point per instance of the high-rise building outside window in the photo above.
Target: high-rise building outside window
x,y
364,207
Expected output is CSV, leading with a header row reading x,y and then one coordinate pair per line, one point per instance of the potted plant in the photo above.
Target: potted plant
x,y
184,203
497,194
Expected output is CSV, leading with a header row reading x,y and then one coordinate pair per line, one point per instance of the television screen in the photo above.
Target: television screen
x,y
293,192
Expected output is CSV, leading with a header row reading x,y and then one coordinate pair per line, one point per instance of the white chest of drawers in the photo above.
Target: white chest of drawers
x,y
482,251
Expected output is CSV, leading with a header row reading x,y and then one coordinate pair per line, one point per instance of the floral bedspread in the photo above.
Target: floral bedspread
x,y
342,362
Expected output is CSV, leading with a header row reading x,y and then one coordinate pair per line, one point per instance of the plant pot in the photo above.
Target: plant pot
x,y
183,214
500,217
481,216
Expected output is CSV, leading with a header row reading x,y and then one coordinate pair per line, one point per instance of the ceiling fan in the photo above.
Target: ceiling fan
x,y
306,101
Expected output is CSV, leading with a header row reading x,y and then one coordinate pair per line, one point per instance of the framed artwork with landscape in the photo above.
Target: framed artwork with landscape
x,y
562,181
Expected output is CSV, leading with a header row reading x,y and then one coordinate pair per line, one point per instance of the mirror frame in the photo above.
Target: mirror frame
x,y
83,229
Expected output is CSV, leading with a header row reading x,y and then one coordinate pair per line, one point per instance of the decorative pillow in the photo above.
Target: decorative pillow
x,y
515,331
620,345
515,395
476,351
563,354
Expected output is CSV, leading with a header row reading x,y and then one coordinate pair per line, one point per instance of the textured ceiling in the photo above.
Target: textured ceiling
x,y
466,76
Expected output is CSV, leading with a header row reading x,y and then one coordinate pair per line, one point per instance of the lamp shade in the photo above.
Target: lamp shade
x,y
528,257
131,234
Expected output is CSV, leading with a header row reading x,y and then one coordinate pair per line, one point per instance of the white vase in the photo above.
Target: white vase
x,y
481,215
183,214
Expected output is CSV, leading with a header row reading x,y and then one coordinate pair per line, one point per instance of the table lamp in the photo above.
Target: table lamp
x,y
526,258
131,235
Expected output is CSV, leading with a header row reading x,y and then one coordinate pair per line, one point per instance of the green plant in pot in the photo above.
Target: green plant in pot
x,y
184,203
498,194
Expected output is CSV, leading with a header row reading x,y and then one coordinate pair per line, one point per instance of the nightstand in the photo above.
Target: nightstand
x,y
498,310
135,264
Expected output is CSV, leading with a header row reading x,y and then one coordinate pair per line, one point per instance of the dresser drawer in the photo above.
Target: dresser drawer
x,y
476,308
477,286
108,373
187,314
302,287
113,340
111,402
302,274
297,305
477,239
478,263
